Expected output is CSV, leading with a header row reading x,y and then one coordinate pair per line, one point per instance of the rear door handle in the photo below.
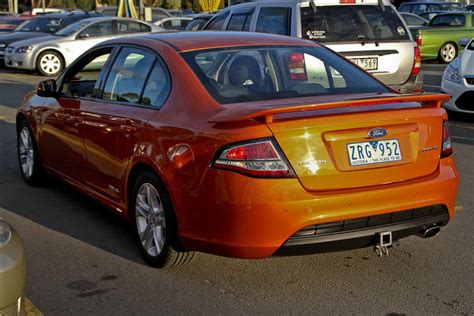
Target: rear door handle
x,y
128,129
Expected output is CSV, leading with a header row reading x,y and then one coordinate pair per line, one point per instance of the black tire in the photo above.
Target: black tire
x,y
31,175
447,53
50,63
171,253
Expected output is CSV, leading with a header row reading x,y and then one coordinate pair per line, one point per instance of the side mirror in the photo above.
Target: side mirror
x,y
84,35
46,88
463,41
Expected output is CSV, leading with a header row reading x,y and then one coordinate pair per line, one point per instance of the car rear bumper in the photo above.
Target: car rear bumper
x,y
243,217
414,84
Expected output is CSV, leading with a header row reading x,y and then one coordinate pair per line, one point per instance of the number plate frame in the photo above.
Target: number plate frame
x,y
374,160
361,62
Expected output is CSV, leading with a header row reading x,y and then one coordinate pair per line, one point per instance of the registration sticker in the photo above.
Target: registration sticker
x,y
371,152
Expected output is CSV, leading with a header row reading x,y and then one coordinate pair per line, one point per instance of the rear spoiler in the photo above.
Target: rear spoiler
x,y
241,113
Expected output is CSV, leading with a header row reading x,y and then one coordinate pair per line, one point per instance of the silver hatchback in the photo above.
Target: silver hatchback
x,y
370,33
50,55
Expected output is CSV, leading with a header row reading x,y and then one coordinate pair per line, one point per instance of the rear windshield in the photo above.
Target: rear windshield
x,y
45,25
263,73
348,23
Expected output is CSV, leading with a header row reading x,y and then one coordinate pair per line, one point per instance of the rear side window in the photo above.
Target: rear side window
x,y
266,73
217,22
240,21
157,87
448,20
274,20
128,75
349,23
125,27
99,29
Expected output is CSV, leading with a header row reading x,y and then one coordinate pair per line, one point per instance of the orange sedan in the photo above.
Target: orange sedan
x,y
243,145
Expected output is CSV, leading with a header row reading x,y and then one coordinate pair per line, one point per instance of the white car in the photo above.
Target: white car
x,y
458,80
50,55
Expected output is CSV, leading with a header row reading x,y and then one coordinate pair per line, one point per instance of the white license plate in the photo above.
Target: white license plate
x,y
377,151
366,63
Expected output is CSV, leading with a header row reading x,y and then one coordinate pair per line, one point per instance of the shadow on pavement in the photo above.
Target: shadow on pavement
x,y
59,207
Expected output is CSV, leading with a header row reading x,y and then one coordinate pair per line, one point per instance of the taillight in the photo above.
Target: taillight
x,y
259,158
447,148
416,62
419,39
296,66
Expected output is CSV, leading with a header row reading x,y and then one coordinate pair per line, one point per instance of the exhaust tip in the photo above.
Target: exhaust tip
x,y
430,231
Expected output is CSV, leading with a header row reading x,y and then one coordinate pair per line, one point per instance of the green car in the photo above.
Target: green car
x,y
440,38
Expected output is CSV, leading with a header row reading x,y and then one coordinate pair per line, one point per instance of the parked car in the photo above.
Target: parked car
x,y
242,145
49,55
430,15
441,36
198,22
10,23
174,23
372,36
12,271
458,80
42,26
428,6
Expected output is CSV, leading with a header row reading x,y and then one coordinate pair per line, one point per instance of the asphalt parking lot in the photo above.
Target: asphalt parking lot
x,y
82,259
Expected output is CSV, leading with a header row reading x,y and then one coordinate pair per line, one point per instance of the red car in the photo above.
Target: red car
x,y
241,144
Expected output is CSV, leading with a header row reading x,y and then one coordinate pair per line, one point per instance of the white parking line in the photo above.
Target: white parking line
x,y
432,72
463,138
461,126
432,86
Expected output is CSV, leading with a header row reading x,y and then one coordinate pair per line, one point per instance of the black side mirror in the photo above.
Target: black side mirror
x,y
46,88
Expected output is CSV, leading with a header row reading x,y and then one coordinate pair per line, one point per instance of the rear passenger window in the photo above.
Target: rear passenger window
x,y
217,22
157,87
274,21
125,27
449,20
240,22
127,76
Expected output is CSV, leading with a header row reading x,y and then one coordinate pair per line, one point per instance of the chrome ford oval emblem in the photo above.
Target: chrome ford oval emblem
x,y
377,132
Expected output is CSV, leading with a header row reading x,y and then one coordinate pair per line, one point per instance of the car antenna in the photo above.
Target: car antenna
x,y
312,4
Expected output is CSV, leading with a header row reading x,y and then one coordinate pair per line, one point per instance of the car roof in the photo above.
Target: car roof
x,y
429,2
65,15
190,41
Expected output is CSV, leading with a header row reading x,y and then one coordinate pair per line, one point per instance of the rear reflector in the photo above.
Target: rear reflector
x,y
297,67
259,159
447,148
416,62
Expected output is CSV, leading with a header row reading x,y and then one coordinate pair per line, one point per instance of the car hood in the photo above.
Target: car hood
x,y
36,41
18,36
467,62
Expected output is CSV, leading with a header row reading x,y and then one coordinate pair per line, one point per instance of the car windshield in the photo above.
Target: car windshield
x,y
257,74
73,28
46,25
352,22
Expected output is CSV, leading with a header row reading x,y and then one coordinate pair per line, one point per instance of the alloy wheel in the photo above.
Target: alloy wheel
x,y
26,152
150,219
448,52
50,64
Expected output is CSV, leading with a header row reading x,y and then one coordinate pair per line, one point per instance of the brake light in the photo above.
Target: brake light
x,y
296,66
346,1
416,62
419,39
259,159
447,148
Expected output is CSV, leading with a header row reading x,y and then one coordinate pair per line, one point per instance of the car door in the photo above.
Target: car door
x,y
62,146
136,87
240,19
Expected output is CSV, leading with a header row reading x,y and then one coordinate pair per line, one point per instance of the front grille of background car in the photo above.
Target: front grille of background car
x,y
367,222
466,101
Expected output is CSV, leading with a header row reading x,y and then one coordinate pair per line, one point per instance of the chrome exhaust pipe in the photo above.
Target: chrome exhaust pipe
x,y
430,231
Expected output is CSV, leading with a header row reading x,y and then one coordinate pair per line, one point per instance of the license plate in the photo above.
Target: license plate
x,y
377,151
366,63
